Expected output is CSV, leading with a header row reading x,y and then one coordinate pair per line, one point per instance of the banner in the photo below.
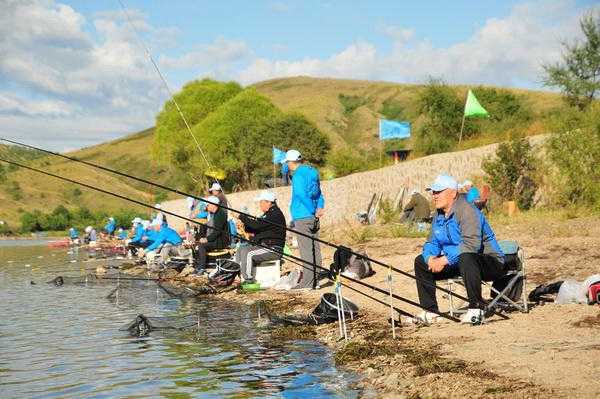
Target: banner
x,y
393,129
472,106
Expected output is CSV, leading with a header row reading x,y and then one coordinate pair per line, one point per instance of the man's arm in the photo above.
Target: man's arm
x,y
469,222
256,225
432,247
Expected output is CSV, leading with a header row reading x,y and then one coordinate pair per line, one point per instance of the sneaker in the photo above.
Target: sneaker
x,y
473,316
426,317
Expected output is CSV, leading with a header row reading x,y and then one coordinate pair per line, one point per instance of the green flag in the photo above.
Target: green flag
x,y
473,108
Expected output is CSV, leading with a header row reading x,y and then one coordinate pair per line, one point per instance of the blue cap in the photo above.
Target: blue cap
x,y
443,182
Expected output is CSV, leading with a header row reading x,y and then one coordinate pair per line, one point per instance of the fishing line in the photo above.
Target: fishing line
x,y
408,301
319,240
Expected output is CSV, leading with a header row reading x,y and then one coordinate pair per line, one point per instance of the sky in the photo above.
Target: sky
x,y
74,73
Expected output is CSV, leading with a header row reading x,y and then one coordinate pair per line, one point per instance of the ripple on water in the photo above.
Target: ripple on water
x,y
64,342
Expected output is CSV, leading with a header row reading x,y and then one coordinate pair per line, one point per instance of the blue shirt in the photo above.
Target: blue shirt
x,y
139,233
73,233
123,235
472,194
166,235
306,193
110,227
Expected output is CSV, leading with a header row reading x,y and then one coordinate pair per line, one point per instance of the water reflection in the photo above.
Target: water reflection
x,y
65,342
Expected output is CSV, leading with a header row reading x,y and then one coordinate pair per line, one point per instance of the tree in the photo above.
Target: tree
x,y
197,99
578,76
510,173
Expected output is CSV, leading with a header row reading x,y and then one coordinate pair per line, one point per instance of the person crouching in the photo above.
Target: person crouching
x,y
461,243
268,232
167,243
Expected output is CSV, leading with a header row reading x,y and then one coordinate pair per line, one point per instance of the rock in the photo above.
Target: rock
x,y
100,270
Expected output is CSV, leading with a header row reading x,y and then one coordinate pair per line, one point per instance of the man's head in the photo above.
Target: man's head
x,y
293,158
444,191
466,185
212,204
215,189
266,200
155,225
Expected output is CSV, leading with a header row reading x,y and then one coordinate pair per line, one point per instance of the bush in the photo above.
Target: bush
x,y
391,109
5,229
510,173
506,109
574,150
443,110
343,162
351,103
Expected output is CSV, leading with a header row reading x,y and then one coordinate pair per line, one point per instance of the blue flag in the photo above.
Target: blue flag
x,y
278,156
393,129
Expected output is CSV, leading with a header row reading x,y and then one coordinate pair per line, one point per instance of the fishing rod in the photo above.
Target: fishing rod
x,y
395,296
176,191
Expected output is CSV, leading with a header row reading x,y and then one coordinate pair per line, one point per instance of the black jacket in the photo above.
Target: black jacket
x,y
218,236
269,234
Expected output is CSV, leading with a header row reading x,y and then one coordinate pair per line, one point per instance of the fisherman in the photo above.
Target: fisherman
x,y
268,231
472,193
417,209
111,226
306,208
461,243
74,236
122,234
90,236
138,237
158,217
217,191
167,243
217,236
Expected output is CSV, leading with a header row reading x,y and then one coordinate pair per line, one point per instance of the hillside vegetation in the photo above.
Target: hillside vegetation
x,y
346,111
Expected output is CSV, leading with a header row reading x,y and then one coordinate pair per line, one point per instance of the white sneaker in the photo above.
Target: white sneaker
x,y
426,317
473,316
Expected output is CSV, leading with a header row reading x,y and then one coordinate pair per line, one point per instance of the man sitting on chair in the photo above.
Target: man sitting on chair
x,y
461,243
268,231
217,233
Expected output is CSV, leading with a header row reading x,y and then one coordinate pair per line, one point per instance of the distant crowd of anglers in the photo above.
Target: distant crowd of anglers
x,y
461,242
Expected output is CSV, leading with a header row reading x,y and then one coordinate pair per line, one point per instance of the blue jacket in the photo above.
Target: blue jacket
x,y
306,193
139,233
472,194
110,227
73,233
166,235
465,230
123,235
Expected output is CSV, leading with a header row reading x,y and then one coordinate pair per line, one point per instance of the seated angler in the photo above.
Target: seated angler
x,y
74,236
167,243
217,234
110,227
138,236
268,231
461,243
416,210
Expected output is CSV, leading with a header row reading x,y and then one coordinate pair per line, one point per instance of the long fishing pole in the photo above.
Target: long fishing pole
x,y
176,191
408,301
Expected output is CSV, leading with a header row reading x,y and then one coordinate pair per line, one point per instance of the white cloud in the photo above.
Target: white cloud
x,y
11,104
504,51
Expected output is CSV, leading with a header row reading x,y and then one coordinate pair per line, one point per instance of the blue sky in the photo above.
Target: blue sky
x,y
73,74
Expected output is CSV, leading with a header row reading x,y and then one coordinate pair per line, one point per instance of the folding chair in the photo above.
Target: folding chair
x,y
501,289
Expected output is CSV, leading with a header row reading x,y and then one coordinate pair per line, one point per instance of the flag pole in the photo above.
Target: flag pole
x,y
462,125
273,151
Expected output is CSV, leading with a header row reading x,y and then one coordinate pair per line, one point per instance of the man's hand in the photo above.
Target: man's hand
x,y
203,240
436,265
141,253
320,213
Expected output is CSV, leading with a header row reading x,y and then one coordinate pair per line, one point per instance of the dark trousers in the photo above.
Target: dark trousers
x,y
200,254
133,246
473,268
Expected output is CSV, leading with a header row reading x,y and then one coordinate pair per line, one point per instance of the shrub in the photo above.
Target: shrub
x,y
510,173
574,150
343,162
391,109
351,103
387,212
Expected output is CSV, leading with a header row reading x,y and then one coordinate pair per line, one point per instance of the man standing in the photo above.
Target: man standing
x,y
268,231
306,208
461,243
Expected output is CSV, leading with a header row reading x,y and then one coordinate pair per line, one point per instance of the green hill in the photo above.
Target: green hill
x,y
346,110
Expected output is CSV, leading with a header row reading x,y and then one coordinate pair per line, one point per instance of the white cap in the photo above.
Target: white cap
x,y
157,206
88,229
466,183
266,196
145,223
213,199
293,156
443,182
111,218
136,221
215,187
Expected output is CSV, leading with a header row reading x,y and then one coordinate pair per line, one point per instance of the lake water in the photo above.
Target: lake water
x,y
65,342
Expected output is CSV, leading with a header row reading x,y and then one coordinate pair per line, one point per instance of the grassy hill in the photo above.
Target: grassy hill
x,y
346,110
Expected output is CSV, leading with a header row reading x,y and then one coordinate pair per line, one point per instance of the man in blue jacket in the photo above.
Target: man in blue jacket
x,y
167,243
306,208
461,243
110,226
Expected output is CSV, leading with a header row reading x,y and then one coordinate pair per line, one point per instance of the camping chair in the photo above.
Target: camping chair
x,y
504,291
